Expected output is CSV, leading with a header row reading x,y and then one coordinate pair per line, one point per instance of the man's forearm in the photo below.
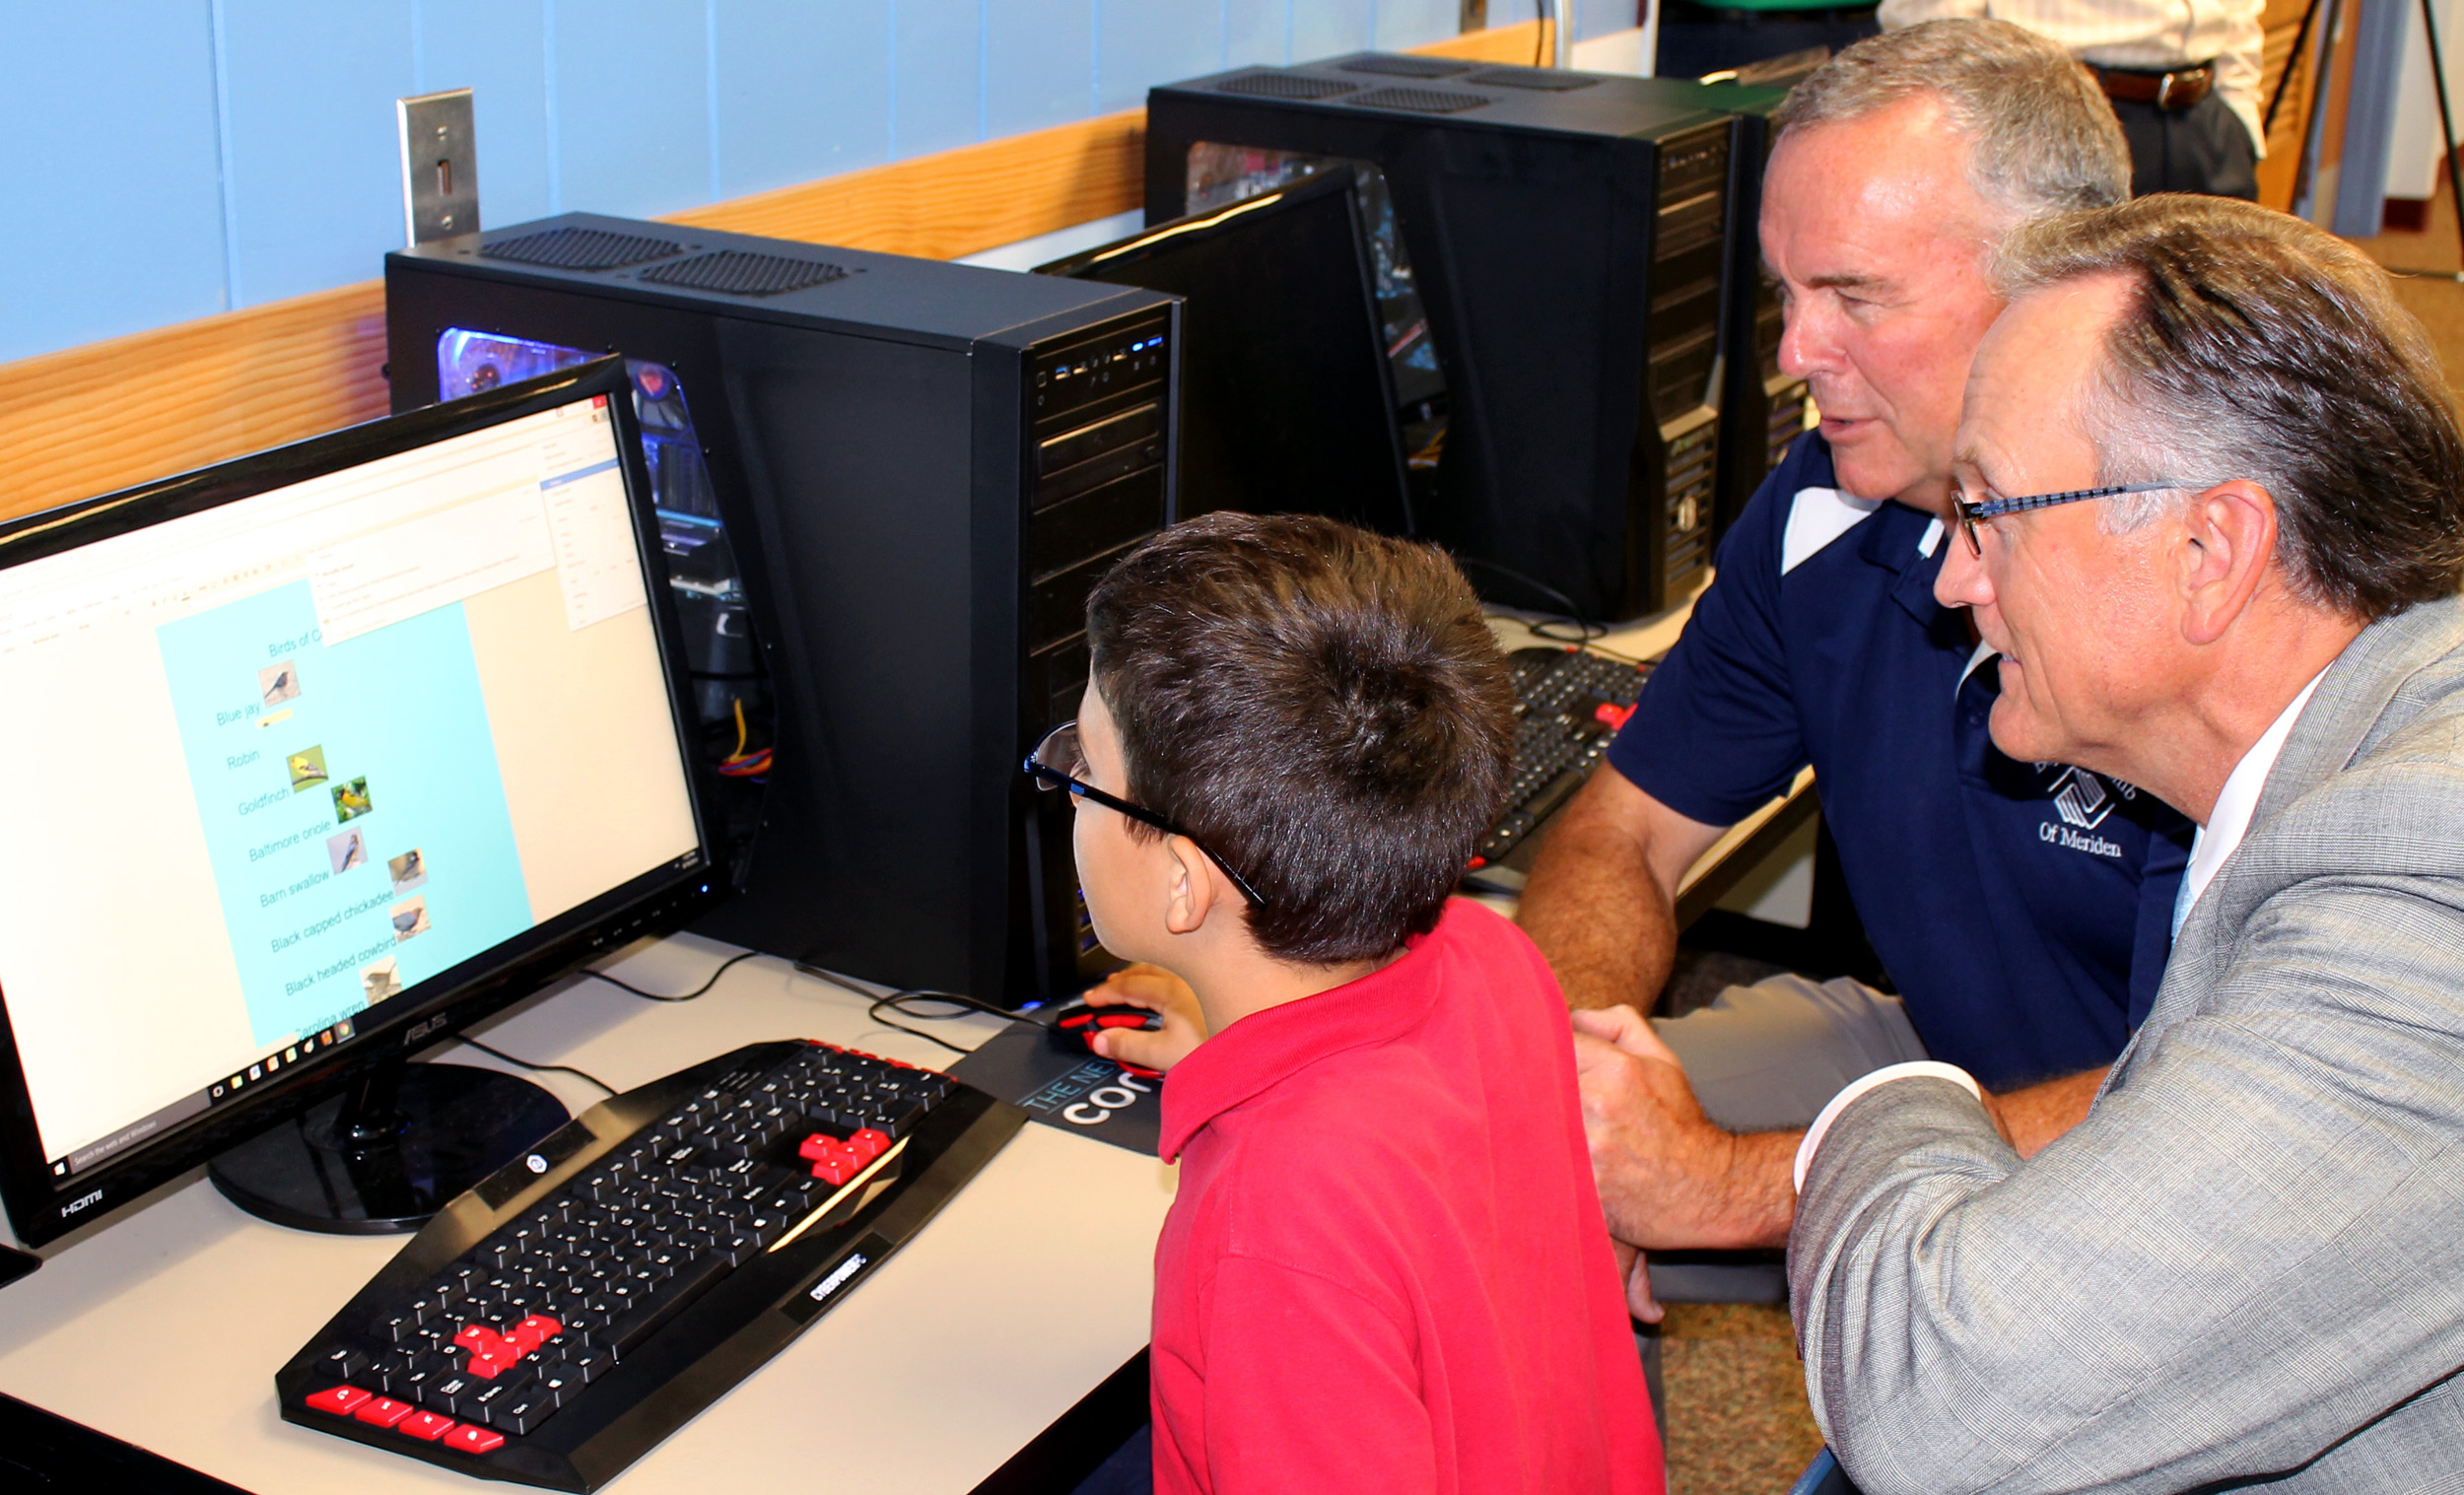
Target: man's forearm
x,y
1755,1200
1759,1201
1599,915
2036,1114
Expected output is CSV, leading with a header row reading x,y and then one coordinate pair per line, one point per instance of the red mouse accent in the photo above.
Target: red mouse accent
x,y
1076,1025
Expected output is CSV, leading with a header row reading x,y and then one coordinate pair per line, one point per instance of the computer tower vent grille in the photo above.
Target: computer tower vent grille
x,y
1420,101
1548,79
581,249
1404,67
1285,86
736,273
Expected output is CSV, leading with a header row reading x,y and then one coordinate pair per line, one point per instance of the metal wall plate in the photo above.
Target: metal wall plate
x,y
440,165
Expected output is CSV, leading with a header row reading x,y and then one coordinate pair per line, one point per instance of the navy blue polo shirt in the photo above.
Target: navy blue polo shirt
x,y
2024,910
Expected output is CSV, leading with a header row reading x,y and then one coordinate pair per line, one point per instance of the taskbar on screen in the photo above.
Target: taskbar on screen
x,y
243,1082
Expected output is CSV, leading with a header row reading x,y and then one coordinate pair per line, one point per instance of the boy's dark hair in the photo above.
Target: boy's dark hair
x,y
1323,708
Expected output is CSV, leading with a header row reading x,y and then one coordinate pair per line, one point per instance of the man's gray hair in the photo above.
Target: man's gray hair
x,y
2260,347
2041,137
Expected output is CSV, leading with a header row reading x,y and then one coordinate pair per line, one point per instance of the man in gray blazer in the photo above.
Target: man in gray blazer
x,y
2246,1265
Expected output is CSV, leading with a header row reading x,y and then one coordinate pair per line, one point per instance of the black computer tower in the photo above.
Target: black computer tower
x,y
1762,409
1570,237
920,469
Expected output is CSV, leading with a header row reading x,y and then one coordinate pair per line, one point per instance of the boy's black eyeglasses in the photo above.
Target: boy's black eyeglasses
x,y
1056,764
1972,513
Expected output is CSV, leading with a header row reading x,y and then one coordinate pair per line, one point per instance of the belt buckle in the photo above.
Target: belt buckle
x,y
2164,91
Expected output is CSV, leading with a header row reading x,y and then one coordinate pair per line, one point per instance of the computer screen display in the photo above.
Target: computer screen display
x,y
284,760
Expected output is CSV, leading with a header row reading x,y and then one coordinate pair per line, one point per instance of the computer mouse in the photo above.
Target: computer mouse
x,y
1074,1024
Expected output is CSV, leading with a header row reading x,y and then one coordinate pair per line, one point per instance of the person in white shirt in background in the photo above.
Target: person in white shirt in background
x,y
2183,76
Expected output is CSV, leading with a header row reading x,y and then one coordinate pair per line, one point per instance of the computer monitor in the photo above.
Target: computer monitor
x,y
320,755
1287,398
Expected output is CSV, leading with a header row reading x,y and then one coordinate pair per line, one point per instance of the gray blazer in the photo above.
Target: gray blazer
x,y
2247,1266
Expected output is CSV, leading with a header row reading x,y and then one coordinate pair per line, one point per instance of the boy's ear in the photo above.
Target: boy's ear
x,y
1192,895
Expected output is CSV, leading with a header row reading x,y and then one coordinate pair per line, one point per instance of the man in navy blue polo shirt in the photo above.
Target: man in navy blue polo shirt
x,y
2021,908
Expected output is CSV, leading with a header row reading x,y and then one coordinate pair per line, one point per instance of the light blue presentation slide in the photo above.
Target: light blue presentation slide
x,y
324,778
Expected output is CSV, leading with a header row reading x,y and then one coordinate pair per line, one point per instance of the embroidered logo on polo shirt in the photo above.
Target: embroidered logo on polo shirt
x,y
2083,800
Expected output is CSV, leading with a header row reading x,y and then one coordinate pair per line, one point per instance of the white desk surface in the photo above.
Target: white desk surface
x,y
164,1326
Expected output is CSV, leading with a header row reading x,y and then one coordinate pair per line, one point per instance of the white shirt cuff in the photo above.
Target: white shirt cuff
x,y
1914,1070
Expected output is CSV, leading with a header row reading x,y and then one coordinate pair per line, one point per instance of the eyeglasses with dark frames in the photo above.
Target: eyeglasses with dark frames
x,y
1970,514
1058,762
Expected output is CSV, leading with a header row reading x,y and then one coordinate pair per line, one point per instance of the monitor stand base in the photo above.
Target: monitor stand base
x,y
389,1152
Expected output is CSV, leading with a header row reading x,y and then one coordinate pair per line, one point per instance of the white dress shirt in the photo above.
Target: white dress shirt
x,y
2227,824
2230,819
2146,35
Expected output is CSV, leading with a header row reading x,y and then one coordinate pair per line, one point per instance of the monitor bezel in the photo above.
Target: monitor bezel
x,y
40,1210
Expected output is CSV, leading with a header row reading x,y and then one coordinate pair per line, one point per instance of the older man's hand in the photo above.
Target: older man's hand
x,y
1635,1271
1668,1179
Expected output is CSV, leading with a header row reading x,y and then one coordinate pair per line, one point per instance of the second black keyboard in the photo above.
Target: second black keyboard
x,y
1569,705
555,1322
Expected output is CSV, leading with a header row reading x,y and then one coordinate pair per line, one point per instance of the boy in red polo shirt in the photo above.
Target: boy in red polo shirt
x,y
1385,1269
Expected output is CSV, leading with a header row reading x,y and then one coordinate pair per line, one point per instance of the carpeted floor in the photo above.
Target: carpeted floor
x,y
1738,1424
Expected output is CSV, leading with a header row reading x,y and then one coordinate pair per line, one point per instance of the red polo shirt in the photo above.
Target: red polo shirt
x,y
1385,1269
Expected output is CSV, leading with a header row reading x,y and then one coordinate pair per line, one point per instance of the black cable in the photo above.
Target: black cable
x,y
1540,31
1572,614
1586,644
682,997
580,1074
1618,655
897,1001
1584,633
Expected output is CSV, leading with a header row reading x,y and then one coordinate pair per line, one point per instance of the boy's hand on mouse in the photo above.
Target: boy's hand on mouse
x,y
1157,990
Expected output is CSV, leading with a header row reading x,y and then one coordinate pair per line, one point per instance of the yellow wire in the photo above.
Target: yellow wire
x,y
739,752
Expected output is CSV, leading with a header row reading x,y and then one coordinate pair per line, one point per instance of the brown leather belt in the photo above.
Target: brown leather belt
x,y
2173,91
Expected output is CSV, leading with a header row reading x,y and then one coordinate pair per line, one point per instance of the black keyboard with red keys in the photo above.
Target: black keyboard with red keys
x,y
1568,705
557,1320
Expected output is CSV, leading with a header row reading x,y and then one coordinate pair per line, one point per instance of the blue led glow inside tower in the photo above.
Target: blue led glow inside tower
x,y
701,565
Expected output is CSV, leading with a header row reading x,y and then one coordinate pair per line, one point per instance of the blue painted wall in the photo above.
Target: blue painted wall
x,y
179,157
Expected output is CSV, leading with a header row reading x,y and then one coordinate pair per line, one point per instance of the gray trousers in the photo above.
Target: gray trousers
x,y
1767,1057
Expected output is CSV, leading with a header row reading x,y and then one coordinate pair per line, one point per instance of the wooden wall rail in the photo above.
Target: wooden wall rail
x,y
93,419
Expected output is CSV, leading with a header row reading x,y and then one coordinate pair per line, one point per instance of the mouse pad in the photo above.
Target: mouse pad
x,y
1021,1064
